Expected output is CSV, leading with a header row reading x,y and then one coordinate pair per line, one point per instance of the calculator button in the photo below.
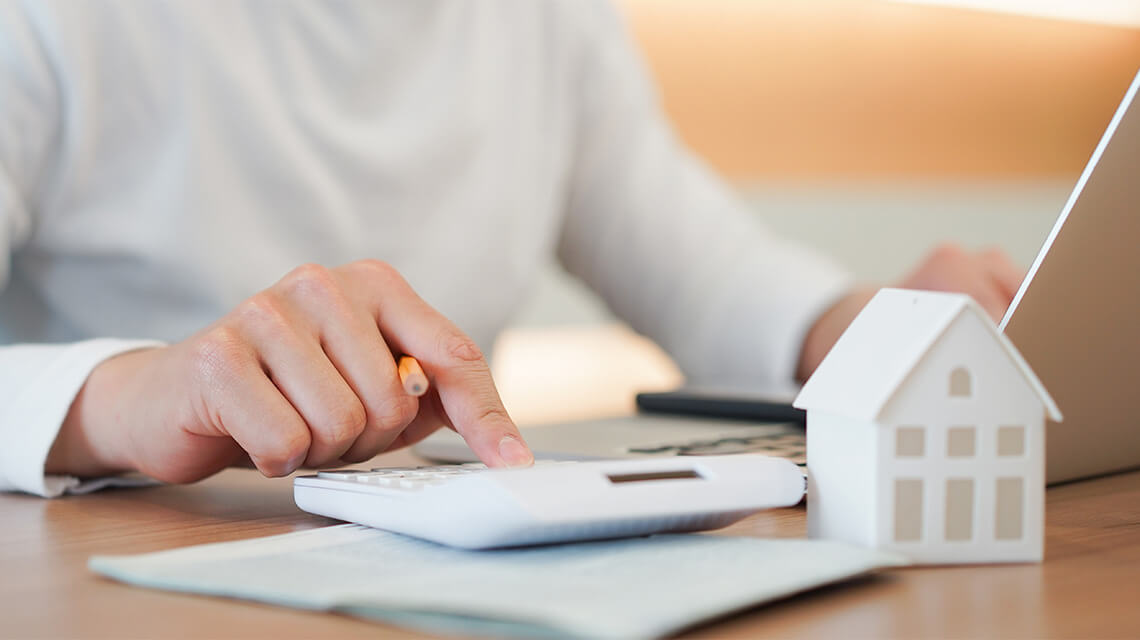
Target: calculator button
x,y
380,480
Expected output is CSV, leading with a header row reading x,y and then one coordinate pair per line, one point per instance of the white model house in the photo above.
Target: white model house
x,y
925,435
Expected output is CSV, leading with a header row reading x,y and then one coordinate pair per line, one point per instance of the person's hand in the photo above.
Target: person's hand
x,y
301,374
988,276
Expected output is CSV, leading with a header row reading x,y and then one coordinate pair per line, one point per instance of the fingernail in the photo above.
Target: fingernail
x,y
514,452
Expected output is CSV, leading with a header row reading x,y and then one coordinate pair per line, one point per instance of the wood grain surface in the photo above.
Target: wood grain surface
x,y
1086,588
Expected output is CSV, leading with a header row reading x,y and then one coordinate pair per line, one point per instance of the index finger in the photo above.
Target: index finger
x,y
453,363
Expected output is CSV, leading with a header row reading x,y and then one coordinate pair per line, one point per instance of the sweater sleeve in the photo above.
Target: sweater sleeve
x,y
37,382
668,245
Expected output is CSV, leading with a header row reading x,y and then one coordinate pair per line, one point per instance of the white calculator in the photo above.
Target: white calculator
x,y
473,507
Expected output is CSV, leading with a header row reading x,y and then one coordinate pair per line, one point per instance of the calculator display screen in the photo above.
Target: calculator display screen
x,y
682,474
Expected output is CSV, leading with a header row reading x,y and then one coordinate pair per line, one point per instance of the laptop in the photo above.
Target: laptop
x,y
1074,319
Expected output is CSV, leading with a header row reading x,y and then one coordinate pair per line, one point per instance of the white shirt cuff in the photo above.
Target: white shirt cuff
x,y
40,383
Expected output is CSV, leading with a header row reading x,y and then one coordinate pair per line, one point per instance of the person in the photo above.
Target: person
x,y
173,176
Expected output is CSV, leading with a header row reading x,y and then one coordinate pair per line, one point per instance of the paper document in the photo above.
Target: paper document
x,y
632,588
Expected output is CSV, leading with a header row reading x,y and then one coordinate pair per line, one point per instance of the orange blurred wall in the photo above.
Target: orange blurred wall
x,y
856,89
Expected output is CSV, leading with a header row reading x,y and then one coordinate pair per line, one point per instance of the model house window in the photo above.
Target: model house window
x,y
908,509
960,383
960,442
910,442
959,509
1008,510
1011,441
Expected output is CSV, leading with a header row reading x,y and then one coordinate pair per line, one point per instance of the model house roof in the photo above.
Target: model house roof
x,y
886,340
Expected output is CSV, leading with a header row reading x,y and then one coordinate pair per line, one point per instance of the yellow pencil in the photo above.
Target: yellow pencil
x,y
412,376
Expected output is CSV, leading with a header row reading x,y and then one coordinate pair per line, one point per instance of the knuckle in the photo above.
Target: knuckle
x,y
396,413
493,413
220,352
377,268
379,272
345,422
996,254
263,311
310,280
460,348
948,251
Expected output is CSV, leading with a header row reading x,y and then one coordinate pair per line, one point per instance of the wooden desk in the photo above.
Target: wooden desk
x,y
1086,588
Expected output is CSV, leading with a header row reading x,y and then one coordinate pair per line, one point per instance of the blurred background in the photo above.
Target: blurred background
x,y
870,129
